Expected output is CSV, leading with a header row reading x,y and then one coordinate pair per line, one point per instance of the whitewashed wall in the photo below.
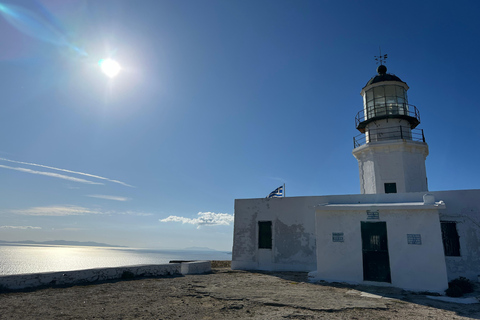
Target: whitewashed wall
x,y
413,267
297,250
293,233
293,220
387,161
463,207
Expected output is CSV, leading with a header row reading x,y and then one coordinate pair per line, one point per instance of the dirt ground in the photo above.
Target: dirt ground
x,y
227,294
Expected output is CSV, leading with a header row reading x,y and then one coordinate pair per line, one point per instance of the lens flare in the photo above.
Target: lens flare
x,y
44,26
109,67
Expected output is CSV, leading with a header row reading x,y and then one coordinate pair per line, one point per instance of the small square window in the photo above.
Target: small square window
x,y
391,187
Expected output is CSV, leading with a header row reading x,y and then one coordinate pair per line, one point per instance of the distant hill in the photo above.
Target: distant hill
x,y
64,243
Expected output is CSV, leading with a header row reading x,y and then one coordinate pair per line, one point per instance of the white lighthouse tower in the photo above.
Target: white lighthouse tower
x,y
391,153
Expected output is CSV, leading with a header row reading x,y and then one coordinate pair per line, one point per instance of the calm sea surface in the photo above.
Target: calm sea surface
x,y
17,259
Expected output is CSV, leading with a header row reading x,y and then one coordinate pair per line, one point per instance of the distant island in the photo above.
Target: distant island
x,y
63,243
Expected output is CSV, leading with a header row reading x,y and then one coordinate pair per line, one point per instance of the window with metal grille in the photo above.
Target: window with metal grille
x,y
451,241
265,234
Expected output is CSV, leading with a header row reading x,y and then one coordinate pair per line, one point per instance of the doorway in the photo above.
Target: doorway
x,y
376,262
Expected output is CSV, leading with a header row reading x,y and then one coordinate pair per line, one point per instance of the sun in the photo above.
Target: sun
x,y
109,67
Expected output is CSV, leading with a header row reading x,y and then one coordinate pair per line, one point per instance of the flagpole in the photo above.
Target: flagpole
x,y
284,190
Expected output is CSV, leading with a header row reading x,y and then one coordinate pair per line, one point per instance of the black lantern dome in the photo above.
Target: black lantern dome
x,y
382,75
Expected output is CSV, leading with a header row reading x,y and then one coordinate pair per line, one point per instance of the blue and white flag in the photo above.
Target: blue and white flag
x,y
277,193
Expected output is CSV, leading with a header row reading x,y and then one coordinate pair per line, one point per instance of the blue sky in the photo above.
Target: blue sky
x,y
216,100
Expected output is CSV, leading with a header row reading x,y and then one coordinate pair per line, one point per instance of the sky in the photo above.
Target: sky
x,y
215,101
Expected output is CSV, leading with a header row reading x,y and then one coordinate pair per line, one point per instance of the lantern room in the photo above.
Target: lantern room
x,y
385,97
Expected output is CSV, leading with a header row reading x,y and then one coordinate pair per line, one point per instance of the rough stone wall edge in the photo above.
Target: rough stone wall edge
x,y
60,278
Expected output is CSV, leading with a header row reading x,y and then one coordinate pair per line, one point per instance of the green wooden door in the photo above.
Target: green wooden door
x,y
376,263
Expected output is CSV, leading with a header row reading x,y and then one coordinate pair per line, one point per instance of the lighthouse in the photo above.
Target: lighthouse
x,y
390,149
395,233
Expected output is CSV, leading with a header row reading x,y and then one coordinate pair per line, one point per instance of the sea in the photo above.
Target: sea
x,y
20,259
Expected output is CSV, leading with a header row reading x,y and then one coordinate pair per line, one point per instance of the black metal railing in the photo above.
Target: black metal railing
x,y
387,111
392,133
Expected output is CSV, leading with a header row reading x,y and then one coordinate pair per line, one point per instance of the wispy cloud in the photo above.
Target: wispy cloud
x,y
204,219
50,174
20,227
136,213
68,229
56,211
65,170
70,210
101,196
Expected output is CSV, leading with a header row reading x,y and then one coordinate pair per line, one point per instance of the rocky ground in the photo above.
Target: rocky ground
x,y
227,294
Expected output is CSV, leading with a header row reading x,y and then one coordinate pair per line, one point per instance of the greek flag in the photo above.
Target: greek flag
x,y
277,193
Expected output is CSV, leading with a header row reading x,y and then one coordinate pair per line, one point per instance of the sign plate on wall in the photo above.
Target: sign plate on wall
x,y
337,236
414,239
373,215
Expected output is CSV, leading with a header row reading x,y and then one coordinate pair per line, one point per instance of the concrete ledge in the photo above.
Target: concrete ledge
x,y
47,279
195,267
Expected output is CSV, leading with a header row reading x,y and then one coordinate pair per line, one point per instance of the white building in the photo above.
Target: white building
x,y
394,233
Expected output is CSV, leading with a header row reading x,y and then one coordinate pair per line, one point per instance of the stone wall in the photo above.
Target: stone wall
x,y
33,280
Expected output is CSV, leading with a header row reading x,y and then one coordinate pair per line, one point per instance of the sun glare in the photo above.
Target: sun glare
x,y
109,67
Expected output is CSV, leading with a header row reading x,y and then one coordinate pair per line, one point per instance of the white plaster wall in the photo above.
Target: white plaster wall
x,y
416,175
293,234
366,168
462,206
339,261
400,161
417,267
413,267
293,220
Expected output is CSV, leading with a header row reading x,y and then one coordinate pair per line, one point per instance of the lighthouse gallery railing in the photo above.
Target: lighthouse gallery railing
x,y
392,133
387,111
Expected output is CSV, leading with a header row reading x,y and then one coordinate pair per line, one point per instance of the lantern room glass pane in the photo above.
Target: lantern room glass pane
x,y
401,106
380,106
391,100
378,92
369,95
370,109
392,106
380,102
390,91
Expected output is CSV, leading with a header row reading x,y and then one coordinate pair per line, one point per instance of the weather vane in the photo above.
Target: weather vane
x,y
381,58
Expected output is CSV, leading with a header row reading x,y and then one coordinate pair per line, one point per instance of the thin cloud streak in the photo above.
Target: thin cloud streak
x,y
134,213
50,174
20,227
72,210
101,196
204,219
56,211
68,171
